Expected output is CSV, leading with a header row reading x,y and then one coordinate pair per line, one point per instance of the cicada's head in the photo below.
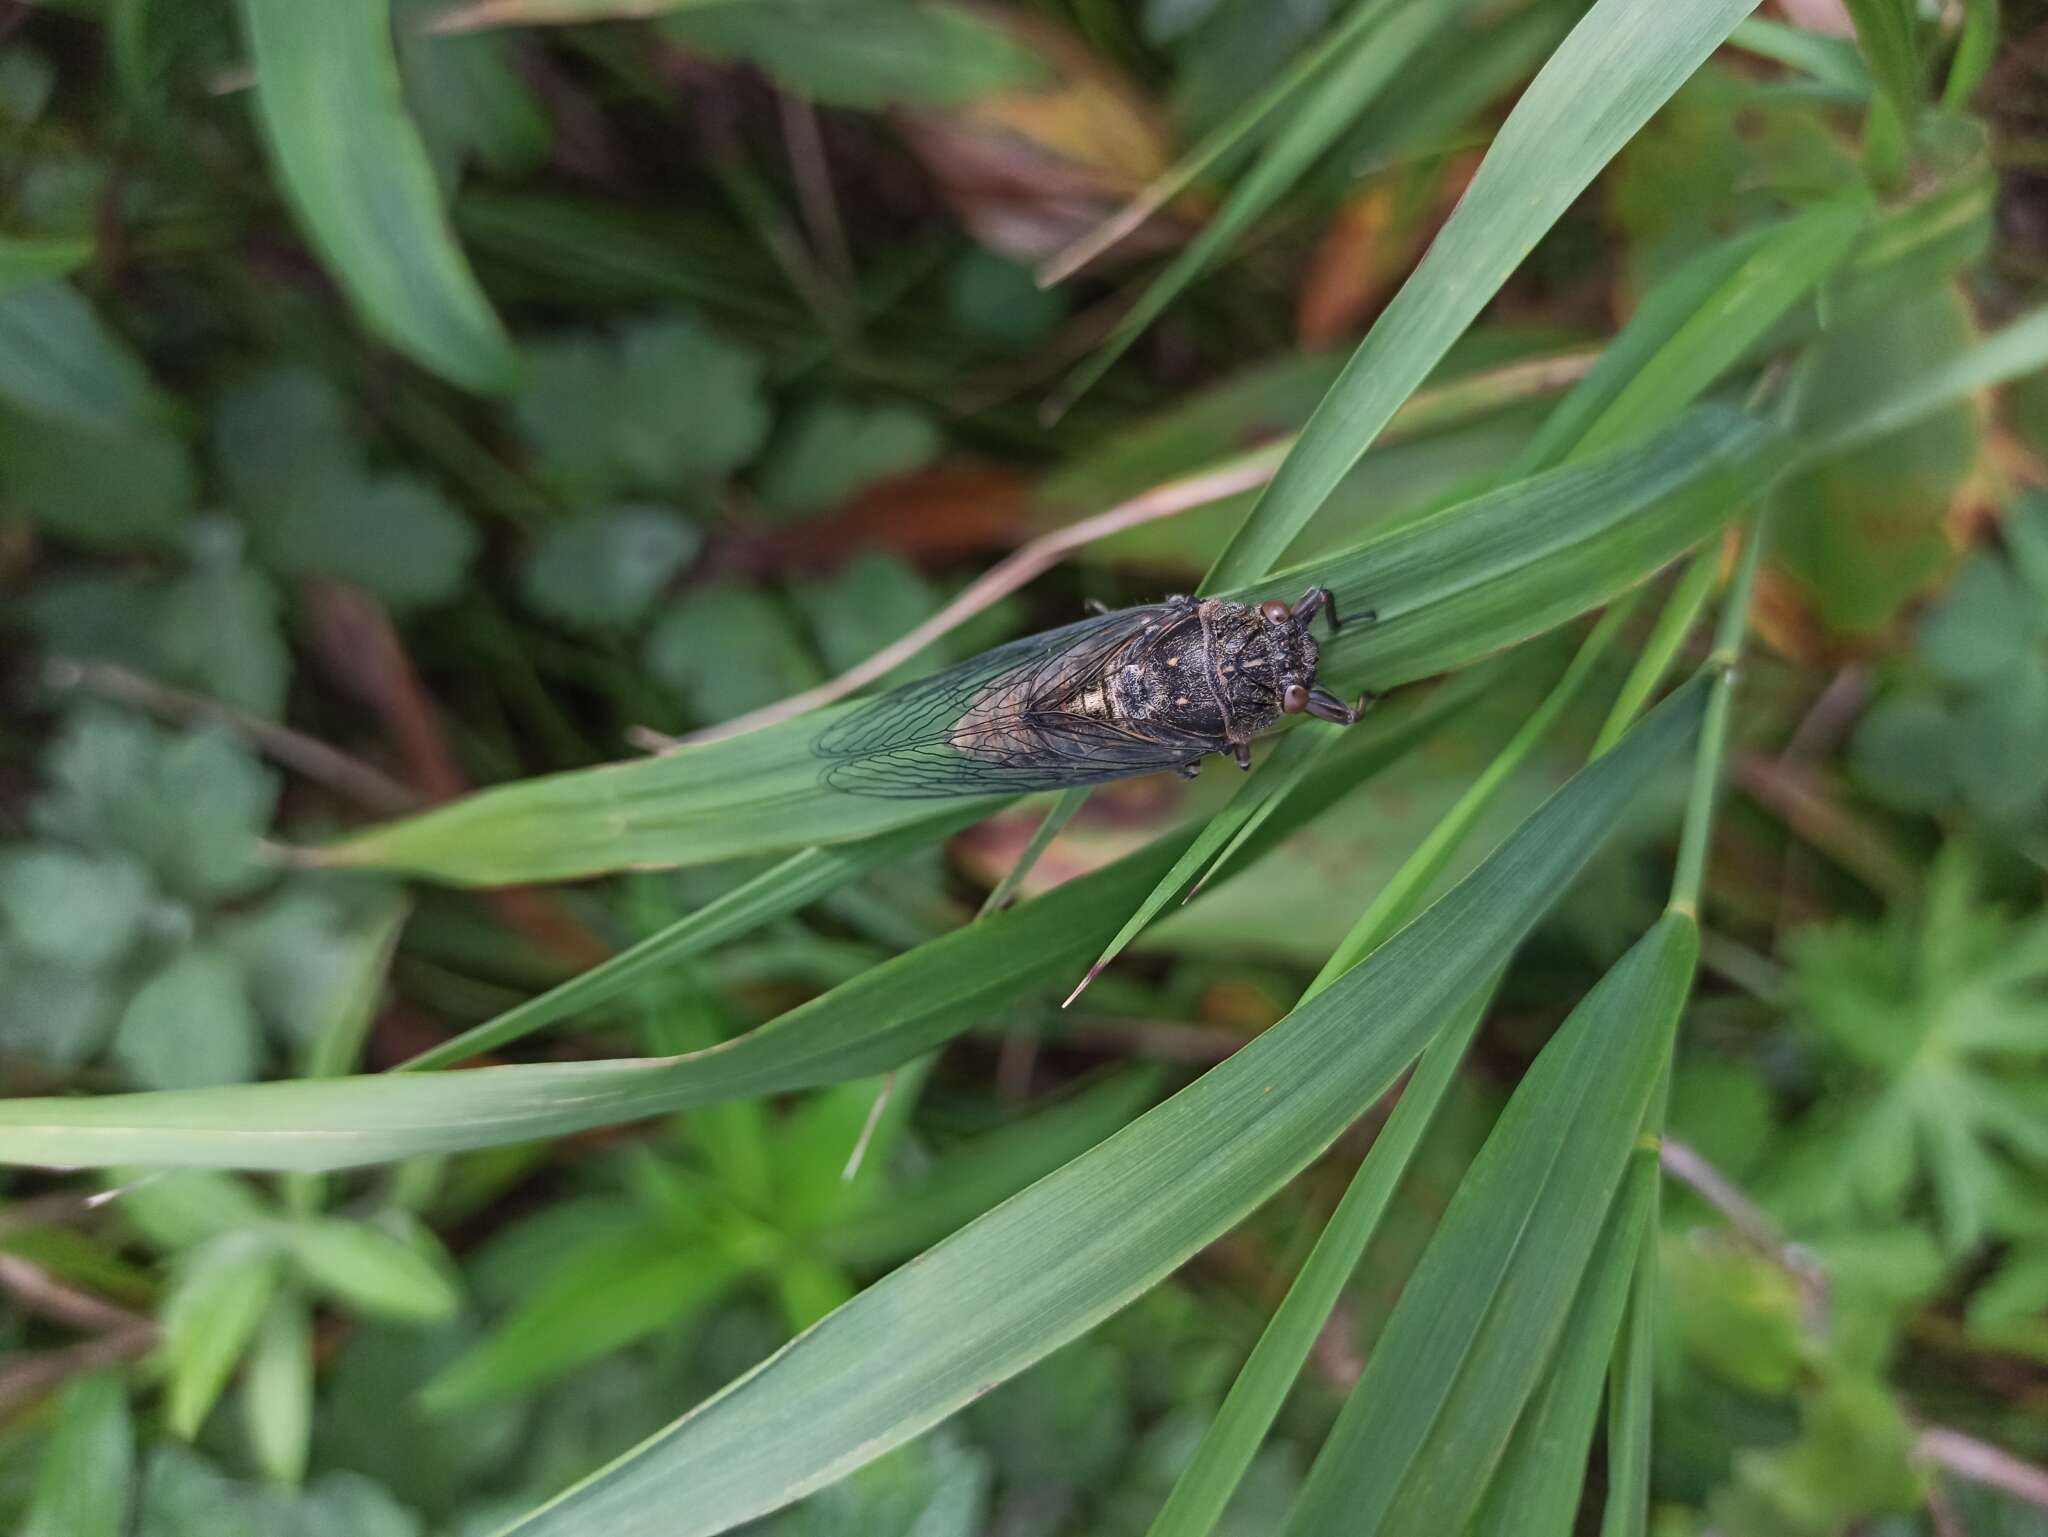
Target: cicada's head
x,y
1287,657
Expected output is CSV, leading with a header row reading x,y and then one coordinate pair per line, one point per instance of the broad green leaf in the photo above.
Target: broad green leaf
x,y
1448,589
394,534
605,569
329,102
878,1020
60,363
728,648
218,1297
1334,94
833,449
1536,1489
1692,328
120,489
1616,68
86,1480
183,1211
370,1270
277,1390
623,1285
1049,1263
76,910
190,1025
216,630
1988,627
665,404
26,260
1431,1418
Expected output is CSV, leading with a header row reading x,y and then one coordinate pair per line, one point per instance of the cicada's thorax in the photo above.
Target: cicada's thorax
x,y
1215,672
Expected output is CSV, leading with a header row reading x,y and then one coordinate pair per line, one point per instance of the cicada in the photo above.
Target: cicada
x,y
1127,691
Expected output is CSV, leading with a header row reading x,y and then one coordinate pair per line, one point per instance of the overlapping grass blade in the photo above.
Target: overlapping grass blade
x,y
1622,61
1536,1491
1692,328
882,1018
1632,1380
1049,1263
1481,1317
333,114
797,880
1448,589
1369,61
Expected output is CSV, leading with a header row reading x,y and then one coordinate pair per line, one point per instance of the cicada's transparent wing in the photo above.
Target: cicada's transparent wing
x,y
991,725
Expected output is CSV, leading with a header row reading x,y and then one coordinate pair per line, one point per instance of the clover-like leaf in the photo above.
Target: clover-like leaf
x,y
603,571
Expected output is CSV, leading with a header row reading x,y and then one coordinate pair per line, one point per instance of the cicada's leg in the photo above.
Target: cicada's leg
x,y
1190,769
1324,705
1242,751
1322,600
1094,606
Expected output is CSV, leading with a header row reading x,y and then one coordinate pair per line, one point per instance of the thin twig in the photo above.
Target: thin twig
x,y
44,1295
1013,571
1982,1463
28,1378
1426,411
1682,1162
812,174
369,787
867,1130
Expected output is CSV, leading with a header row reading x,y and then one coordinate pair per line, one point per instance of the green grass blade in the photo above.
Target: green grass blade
x,y
333,114
1056,817
1692,328
800,879
1049,1263
1396,900
1628,1402
1449,589
2018,349
878,1020
26,260
1285,765
1833,61
1479,1320
1680,613
1537,1490
1367,65
1621,63
1227,1448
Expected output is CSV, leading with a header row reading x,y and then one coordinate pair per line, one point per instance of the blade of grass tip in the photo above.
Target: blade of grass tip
x,y
796,881
1369,63
1205,1488
1292,756
1975,50
1398,898
1057,815
1618,65
1833,61
1537,1489
1177,178
1071,1249
1680,613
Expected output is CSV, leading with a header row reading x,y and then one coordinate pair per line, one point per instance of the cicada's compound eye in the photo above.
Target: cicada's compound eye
x,y
1274,611
1294,699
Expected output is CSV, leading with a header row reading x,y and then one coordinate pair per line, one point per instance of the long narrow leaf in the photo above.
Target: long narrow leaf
x,y
1621,63
1051,1262
1477,1322
876,1021
333,114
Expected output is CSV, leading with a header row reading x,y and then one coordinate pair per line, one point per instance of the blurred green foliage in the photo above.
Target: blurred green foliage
x,y
460,397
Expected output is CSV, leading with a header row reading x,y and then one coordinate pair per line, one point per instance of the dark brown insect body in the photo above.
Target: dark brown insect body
x,y
1127,692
